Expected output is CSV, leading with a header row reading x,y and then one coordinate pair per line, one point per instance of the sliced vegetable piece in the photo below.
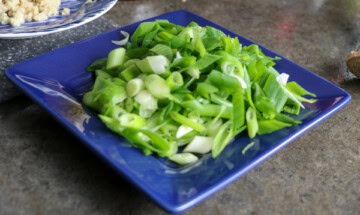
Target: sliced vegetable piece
x,y
153,64
275,92
123,41
247,147
207,109
134,86
143,29
205,89
100,73
184,158
214,127
200,144
220,100
286,119
119,82
269,126
129,104
158,142
238,110
194,72
164,50
206,61
186,121
157,86
199,46
130,72
137,53
182,131
224,81
130,120
222,138
252,124
183,62
115,58
175,81
148,104
297,89
264,104
97,64
130,62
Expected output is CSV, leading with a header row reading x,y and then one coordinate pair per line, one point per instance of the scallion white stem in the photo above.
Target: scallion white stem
x,y
134,86
184,158
123,41
200,144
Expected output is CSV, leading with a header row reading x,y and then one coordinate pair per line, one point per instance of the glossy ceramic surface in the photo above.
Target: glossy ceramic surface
x,y
57,80
81,12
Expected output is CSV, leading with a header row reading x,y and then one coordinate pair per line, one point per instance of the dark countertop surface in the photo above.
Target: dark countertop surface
x,y
44,169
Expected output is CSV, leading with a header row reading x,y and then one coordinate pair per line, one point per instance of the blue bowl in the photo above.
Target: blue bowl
x,y
56,80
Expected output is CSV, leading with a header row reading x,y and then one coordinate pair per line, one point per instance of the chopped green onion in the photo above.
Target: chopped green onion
x,y
169,130
183,130
282,79
252,123
204,89
297,89
134,86
224,82
222,138
131,120
129,104
163,50
158,142
247,147
97,64
207,109
123,41
100,73
175,81
143,29
184,158
184,62
206,61
157,86
238,110
273,91
214,127
283,118
193,72
148,104
112,110
119,82
200,144
268,126
153,64
115,58
130,73
219,100
177,57
193,87
199,46
130,62
186,121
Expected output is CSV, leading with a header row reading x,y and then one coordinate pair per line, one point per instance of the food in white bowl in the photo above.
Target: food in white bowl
x,y
17,12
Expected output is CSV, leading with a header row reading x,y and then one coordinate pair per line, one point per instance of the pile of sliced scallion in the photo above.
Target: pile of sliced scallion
x,y
180,92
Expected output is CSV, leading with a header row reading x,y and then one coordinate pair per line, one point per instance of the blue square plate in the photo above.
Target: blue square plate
x,y
56,80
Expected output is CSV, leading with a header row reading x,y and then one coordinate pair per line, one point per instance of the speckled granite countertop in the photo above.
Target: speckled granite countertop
x,y
44,170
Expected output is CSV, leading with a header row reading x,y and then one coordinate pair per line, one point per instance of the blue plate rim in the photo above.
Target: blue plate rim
x,y
178,208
